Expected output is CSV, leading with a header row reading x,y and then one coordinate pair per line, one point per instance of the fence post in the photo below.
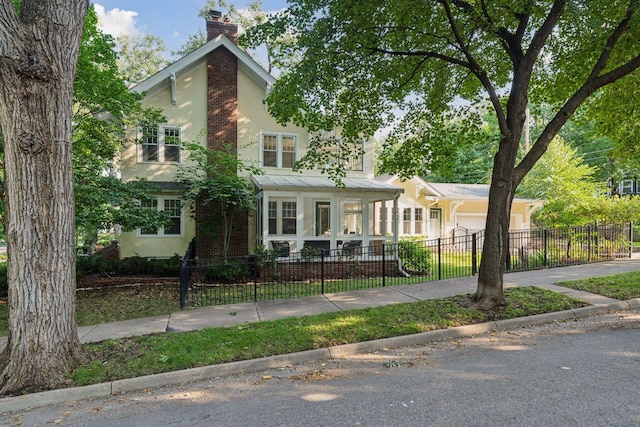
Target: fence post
x,y
184,285
322,271
439,258
507,260
384,266
545,262
256,266
630,239
474,255
589,243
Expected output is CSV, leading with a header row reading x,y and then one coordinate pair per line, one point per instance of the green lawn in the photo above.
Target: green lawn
x,y
619,286
130,357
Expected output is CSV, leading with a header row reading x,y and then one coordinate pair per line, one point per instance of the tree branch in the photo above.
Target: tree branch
x,y
567,110
613,39
476,69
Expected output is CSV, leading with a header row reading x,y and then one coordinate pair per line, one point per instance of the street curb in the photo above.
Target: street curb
x,y
104,390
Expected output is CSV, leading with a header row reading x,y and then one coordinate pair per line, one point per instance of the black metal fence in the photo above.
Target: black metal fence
x,y
314,271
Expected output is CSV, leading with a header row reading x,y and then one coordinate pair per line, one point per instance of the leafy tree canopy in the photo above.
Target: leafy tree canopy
x,y
363,63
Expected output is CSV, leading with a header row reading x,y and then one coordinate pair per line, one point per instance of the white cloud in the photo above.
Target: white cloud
x,y
116,21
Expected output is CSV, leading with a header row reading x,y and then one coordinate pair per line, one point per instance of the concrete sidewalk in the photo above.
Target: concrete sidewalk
x,y
229,315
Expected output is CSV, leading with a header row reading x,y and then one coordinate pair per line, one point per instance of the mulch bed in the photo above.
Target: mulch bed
x,y
101,281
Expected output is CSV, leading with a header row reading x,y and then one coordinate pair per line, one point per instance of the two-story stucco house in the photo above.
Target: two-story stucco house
x,y
218,91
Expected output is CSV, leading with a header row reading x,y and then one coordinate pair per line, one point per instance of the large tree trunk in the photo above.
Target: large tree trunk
x,y
490,291
38,54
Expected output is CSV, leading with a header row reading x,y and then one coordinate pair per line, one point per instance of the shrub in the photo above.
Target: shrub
x,y
229,272
415,255
93,264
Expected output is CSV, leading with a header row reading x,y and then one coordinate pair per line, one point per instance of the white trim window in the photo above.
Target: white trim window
x,y
173,206
160,144
418,220
406,221
353,162
278,150
351,217
626,186
282,217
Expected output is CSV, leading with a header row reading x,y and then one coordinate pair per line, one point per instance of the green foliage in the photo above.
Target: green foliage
x,y
310,253
215,180
140,57
228,272
565,183
615,210
415,256
136,265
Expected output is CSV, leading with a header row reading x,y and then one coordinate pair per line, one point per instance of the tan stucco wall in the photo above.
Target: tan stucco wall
x,y
189,113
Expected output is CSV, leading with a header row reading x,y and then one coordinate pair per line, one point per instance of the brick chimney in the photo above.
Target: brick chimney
x,y
222,127
217,24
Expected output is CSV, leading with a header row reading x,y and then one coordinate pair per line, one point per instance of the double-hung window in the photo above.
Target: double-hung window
x,y
173,208
279,150
349,156
351,217
282,217
406,220
160,144
418,219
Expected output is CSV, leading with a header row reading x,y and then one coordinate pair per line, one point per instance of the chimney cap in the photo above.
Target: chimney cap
x,y
215,15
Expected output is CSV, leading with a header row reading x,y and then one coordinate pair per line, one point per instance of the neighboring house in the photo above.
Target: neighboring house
x,y
220,90
447,210
627,187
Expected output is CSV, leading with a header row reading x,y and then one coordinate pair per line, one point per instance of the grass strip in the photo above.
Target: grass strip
x,y
622,286
137,356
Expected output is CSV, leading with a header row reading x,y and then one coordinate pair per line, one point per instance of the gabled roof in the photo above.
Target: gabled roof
x,y
450,190
245,63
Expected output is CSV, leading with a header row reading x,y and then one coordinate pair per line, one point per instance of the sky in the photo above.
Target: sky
x,y
171,20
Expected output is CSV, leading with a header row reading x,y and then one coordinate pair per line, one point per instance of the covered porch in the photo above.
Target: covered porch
x,y
297,211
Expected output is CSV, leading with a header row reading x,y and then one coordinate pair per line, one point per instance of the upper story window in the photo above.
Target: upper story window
x,y
160,144
279,150
351,161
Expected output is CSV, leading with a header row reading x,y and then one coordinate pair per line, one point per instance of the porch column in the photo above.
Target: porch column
x,y
396,222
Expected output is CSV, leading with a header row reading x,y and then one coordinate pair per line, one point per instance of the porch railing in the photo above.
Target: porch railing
x,y
314,271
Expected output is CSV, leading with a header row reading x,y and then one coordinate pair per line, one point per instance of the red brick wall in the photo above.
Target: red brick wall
x,y
215,28
222,129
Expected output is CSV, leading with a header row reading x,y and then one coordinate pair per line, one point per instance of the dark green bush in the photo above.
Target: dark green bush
x,y
415,256
229,272
136,265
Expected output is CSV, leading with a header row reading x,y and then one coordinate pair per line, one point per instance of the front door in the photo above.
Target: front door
x,y
323,218
435,223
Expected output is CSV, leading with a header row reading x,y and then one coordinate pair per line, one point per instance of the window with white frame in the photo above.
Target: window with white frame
x,y
352,217
160,144
626,186
406,220
282,217
418,220
353,161
174,209
279,150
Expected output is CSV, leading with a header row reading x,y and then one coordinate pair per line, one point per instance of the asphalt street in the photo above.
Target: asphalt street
x,y
576,373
